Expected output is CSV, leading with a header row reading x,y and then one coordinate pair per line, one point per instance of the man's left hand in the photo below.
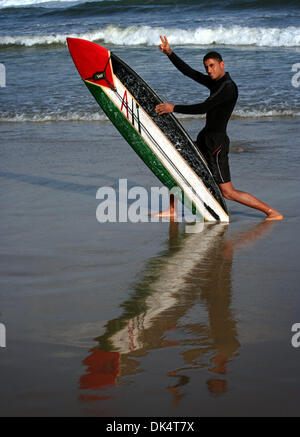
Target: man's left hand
x,y
164,108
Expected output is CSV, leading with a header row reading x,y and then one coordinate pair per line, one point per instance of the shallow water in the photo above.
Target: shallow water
x,y
143,319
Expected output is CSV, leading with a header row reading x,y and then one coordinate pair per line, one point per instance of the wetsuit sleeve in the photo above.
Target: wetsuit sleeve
x,y
223,94
189,71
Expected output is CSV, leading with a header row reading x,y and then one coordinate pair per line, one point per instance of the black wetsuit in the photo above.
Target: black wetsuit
x,y
212,141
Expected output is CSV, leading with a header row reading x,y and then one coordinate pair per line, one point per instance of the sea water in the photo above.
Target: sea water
x,y
143,319
259,41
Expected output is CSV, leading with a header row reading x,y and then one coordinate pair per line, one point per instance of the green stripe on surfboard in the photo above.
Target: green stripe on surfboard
x,y
137,142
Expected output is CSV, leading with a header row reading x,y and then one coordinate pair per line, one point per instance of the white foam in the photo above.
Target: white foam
x,y
250,113
149,36
253,113
42,118
100,117
234,35
21,3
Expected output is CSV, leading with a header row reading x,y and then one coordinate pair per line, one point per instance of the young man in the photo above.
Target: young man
x,y
213,141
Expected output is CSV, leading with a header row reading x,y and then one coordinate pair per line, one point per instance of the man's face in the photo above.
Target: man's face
x,y
214,68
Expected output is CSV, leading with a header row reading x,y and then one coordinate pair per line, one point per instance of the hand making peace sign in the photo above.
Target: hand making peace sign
x,y
165,47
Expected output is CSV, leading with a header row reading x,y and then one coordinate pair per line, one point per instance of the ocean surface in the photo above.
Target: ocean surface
x,y
144,319
259,40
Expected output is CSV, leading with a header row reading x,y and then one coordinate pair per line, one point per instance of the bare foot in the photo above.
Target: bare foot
x,y
273,215
167,214
171,212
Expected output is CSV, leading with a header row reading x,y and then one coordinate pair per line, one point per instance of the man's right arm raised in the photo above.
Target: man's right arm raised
x,y
182,66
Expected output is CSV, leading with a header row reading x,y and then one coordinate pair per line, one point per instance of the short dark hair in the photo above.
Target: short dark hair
x,y
213,55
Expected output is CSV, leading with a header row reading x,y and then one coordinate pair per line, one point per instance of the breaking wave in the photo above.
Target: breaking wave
x,y
52,117
149,36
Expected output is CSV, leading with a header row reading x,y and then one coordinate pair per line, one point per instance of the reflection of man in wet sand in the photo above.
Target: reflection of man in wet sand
x,y
171,286
224,328
213,141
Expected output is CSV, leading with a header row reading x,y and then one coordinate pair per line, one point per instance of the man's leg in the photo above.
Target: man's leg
x,y
230,193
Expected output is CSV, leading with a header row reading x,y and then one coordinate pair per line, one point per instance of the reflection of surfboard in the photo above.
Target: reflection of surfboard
x,y
160,141
171,274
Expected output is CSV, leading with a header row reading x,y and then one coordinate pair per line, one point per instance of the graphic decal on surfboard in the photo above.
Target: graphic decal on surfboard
x,y
160,141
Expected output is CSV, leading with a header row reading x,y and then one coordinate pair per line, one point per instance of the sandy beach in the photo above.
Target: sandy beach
x,y
143,319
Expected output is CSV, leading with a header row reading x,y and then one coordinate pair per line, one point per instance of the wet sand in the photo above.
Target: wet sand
x,y
142,319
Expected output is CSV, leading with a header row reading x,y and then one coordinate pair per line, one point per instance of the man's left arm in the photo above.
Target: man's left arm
x,y
223,94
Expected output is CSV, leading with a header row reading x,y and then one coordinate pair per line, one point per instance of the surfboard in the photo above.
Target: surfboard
x,y
160,140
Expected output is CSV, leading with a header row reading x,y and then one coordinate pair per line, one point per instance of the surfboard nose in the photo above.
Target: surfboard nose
x,y
91,60
73,44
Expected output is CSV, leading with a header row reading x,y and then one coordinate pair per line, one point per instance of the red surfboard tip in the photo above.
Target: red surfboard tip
x,y
71,41
91,58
